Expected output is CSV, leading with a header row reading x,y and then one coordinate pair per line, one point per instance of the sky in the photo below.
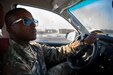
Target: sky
x,y
48,19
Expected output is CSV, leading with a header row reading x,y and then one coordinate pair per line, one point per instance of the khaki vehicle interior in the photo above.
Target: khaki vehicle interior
x,y
97,58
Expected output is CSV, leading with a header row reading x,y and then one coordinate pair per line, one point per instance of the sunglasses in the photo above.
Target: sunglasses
x,y
26,21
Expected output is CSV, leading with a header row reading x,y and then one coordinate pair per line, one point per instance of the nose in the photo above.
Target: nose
x,y
33,24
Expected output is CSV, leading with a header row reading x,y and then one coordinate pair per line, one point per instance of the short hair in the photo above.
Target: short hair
x,y
11,13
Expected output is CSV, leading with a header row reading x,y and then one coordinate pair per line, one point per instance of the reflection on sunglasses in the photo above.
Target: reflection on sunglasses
x,y
26,21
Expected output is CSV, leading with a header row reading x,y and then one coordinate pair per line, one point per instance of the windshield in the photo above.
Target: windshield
x,y
95,15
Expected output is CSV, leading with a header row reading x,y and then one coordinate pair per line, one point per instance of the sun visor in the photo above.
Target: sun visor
x,y
61,5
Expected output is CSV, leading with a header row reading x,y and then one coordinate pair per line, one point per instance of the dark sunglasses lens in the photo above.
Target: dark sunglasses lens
x,y
27,22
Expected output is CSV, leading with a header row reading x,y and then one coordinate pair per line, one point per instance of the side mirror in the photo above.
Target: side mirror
x,y
71,36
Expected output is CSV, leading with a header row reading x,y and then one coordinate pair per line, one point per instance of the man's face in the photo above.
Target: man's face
x,y
23,26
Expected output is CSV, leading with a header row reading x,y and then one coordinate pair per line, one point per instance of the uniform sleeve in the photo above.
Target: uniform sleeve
x,y
56,54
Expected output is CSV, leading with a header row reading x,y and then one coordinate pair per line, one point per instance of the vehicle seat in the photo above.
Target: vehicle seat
x,y
4,42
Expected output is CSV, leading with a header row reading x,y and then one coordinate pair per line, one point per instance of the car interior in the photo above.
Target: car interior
x,y
66,21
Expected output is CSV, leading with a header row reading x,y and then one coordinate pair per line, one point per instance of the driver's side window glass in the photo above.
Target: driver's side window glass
x,y
52,28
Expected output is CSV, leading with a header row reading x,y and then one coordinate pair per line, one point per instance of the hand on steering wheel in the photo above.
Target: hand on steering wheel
x,y
87,55
90,39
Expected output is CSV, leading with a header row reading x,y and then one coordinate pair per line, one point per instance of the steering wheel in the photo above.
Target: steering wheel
x,y
84,57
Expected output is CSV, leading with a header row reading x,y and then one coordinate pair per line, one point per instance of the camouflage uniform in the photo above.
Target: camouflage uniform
x,y
31,60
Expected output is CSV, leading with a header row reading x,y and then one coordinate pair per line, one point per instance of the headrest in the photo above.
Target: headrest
x,y
1,17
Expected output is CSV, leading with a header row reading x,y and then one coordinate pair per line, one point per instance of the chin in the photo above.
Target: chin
x,y
31,39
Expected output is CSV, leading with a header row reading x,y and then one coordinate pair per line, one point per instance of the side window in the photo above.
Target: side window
x,y
52,28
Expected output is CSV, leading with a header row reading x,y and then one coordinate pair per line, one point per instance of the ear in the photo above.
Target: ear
x,y
11,29
8,29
